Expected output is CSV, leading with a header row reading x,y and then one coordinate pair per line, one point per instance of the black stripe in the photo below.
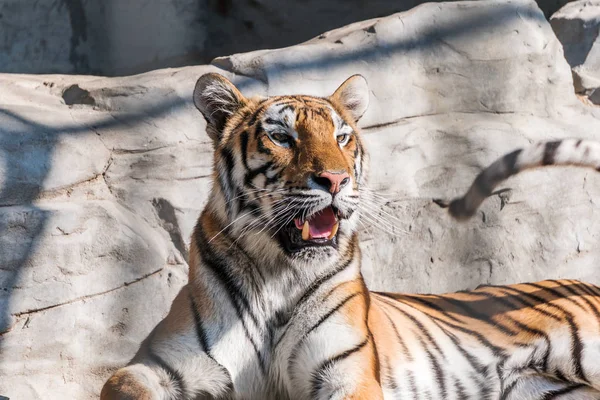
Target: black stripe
x,y
559,392
550,152
484,185
200,332
472,313
362,159
220,269
253,208
174,375
303,196
536,332
508,390
561,295
244,147
497,351
228,158
593,288
512,307
405,349
254,116
314,287
577,346
297,347
440,376
355,165
413,384
285,108
318,375
460,389
272,121
587,290
226,180
330,313
203,341
321,113
433,306
510,162
377,364
325,277
253,173
481,369
285,101
421,328
260,146
519,297
389,379
578,143
439,372
560,376
276,177
475,364
237,298
574,292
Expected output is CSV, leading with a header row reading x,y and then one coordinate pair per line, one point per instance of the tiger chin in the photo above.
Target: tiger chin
x,y
276,306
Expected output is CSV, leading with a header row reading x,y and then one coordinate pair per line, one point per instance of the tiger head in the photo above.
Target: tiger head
x,y
288,169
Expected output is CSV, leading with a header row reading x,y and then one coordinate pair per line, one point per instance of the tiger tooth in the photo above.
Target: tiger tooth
x,y
334,230
306,231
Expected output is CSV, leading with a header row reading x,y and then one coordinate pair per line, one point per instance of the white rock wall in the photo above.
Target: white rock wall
x,y
123,37
98,198
577,25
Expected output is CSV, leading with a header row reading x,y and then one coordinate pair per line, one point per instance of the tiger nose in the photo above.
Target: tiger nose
x,y
333,181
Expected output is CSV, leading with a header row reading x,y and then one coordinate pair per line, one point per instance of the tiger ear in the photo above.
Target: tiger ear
x,y
353,95
217,99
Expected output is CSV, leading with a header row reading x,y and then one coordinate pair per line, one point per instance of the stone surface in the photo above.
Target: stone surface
x,y
98,197
577,25
116,37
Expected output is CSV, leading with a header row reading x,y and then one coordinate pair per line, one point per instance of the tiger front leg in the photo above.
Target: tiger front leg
x,y
158,382
172,362
135,382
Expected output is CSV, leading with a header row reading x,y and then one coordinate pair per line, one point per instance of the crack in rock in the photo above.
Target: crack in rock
x,y
86,297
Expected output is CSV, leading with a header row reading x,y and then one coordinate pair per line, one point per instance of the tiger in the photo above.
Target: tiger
x,y
276,306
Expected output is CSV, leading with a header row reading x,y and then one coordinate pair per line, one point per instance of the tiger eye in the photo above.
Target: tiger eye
x,y
280,137
343,139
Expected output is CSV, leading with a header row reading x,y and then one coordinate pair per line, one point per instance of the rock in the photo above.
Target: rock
x,y
102,179
435,63
576,25
115,37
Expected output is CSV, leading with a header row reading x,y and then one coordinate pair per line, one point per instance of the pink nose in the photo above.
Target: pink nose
x,y
334,181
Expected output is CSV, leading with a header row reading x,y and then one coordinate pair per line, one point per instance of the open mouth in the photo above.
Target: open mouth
x,y
320,229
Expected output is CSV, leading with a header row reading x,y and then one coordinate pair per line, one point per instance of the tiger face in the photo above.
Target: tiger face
x,y
288,169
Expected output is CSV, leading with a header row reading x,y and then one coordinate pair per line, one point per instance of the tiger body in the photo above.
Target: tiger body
x,y
276,306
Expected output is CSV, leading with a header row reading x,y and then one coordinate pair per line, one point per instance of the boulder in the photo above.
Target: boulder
x,y
576,25
116,37
102,179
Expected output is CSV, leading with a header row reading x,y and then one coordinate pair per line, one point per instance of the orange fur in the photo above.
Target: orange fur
x,y
124,386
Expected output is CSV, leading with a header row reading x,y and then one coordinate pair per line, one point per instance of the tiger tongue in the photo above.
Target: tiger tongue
x,y
322,225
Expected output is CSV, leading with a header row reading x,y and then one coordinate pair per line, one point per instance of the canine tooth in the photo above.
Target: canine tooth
x,y
306,231
334,230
